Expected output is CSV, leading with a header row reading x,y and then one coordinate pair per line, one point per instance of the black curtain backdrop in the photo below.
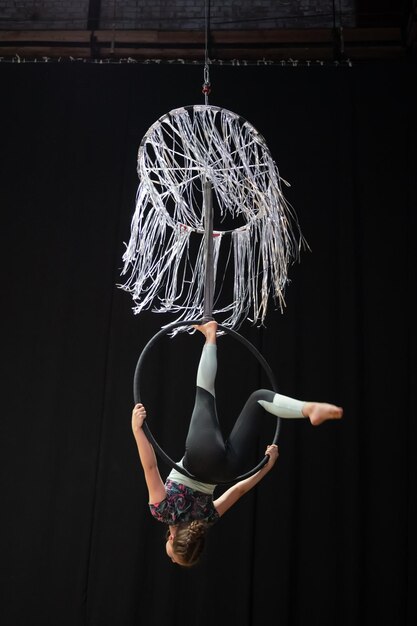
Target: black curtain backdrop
x,y
329,537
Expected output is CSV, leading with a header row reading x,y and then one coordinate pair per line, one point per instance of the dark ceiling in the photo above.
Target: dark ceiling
x,y
365,30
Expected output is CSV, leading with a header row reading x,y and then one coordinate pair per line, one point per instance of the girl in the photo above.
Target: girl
x,y
186,504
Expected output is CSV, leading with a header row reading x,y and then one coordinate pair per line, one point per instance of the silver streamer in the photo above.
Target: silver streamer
x,y
164,259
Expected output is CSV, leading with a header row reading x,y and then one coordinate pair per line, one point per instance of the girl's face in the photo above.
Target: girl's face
x,y
170,551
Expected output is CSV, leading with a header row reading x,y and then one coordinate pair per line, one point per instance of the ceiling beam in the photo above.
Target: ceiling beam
x,y
273,45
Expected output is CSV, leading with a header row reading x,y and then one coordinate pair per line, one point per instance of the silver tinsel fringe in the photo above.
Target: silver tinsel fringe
x,y
167,270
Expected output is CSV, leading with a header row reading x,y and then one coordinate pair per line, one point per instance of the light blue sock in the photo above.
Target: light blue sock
x,y
283,406
207,368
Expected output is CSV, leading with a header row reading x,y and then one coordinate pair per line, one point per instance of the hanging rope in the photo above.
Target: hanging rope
x,y
206,85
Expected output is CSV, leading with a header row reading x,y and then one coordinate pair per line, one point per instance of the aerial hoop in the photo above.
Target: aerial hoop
x,y
137,395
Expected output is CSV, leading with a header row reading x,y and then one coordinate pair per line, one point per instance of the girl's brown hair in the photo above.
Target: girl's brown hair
x,y
188,542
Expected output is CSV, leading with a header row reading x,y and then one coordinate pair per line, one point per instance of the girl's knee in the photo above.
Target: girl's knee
x,y
262,394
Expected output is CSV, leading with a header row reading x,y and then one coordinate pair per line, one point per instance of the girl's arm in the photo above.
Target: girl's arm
x,y
154,482
234,493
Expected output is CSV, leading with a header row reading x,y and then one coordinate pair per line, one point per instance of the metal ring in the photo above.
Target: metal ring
x,y
136,393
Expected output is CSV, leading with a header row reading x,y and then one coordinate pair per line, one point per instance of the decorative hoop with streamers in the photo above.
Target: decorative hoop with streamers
x,y
207,173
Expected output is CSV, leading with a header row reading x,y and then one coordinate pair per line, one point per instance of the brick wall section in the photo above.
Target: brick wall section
x,y
43,14
174,14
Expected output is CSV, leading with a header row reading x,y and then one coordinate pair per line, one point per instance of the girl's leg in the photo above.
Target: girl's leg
x,y
246,428
317,412
240,443
283,406
207,368
204,446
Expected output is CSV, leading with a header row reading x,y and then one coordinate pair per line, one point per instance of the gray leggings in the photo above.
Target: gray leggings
x,y
207,455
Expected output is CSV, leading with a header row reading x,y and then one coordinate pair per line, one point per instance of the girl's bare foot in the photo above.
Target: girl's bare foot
x,y
319,412
209,330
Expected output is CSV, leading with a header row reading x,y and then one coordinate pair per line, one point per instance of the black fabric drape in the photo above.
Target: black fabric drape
x,y
328,537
